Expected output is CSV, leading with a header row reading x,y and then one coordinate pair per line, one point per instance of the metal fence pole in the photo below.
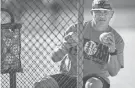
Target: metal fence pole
x,y
80,47
12,80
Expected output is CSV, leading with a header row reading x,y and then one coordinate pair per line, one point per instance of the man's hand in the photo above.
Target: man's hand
x,y
71,39
107,39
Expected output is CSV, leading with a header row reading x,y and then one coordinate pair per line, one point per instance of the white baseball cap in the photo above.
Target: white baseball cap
x,y
101,5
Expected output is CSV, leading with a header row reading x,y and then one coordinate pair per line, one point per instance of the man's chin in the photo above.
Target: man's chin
x,y
101,22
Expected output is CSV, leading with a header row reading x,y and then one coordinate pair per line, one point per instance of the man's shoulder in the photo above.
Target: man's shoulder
x,y
114,31
118,37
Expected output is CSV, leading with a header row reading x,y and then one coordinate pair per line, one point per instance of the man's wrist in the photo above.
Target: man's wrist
x,y
112,49
113,53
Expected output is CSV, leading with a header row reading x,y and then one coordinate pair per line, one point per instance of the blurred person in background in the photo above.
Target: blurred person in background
x,y
13,6
103,52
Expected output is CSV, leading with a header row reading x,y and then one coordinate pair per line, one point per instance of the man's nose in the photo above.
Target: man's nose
x,y
102,15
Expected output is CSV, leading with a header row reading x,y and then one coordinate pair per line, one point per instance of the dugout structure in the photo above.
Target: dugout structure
x,y
43,25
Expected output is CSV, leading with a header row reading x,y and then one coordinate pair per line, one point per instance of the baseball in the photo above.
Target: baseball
x,y
105,37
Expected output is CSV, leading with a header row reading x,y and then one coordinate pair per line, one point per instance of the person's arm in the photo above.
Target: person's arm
x,y
58,53
62,50
116,61
113,66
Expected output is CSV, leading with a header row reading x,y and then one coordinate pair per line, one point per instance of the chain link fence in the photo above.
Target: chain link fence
x,y
43,25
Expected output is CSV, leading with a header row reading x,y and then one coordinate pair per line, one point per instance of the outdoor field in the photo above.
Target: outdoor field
x,y
123,22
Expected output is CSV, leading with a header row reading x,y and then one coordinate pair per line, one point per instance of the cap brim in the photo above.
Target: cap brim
x,y
101,9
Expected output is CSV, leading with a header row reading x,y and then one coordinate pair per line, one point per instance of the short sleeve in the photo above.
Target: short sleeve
x,y
72,28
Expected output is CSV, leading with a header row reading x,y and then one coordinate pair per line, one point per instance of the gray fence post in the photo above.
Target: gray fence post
x,y
80,47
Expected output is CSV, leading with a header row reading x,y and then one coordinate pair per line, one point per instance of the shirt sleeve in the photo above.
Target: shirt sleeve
x,y
72,28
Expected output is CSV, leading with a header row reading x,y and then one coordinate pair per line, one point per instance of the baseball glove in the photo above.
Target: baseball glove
x,y
97,52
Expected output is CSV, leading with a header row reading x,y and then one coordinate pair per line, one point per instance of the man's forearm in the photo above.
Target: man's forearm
x,y
60,52
113,65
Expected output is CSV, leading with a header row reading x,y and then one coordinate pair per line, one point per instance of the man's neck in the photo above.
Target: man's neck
x,y
100,27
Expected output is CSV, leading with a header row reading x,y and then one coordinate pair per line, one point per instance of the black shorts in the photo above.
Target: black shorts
x,y
66,81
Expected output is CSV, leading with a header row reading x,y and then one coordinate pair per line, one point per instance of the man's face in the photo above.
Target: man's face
x,y
102,17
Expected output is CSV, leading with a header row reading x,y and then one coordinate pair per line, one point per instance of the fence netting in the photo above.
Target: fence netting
x,y
43,25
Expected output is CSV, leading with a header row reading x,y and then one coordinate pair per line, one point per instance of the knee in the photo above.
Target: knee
x,y
94,83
